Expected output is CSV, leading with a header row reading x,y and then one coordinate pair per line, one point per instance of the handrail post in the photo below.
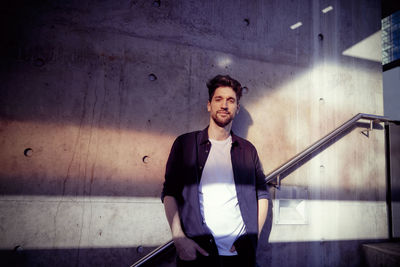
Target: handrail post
x,y
278,181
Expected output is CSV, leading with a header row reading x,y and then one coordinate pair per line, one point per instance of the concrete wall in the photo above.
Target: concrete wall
x,y
391,97
93,93
391,93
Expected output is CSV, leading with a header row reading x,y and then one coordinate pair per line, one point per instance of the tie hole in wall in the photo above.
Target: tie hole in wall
x,y
152,77
146,159
157,3
18,249
39,62
28,152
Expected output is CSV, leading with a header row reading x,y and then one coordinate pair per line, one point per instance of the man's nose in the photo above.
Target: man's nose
x,y
224,104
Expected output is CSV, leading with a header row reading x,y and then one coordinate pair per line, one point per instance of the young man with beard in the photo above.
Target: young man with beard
x,y
215,195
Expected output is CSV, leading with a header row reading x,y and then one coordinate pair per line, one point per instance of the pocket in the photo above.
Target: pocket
x,y
183,263
246,245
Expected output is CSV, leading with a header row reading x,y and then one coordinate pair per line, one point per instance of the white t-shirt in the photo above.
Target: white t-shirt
x,y
218,201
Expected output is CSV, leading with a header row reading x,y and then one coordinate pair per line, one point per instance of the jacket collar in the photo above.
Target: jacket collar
x,y
204,137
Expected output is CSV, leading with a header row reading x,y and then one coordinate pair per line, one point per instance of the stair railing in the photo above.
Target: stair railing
x,y
275,176
279,173
156,252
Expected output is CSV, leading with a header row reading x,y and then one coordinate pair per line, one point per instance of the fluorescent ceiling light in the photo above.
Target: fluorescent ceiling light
x,y
327,9
297,25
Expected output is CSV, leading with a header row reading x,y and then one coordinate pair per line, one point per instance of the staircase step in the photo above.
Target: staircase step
x,y
382,254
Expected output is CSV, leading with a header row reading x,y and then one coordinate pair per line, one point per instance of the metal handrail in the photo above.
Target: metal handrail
x,y
323,141
153,254
275,174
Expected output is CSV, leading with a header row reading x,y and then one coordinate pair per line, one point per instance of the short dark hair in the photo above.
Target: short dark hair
x,y
222,81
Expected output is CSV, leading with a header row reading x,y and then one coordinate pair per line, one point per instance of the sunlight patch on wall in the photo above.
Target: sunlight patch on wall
x,y
309,105
368,48
224,61
45,222
104,222
334,220
70,152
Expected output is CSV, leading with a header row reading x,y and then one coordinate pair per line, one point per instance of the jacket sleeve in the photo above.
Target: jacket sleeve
x,y
261,184
173,172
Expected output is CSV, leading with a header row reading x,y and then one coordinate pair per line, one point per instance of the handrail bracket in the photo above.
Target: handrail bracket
x,y
371,127
278,182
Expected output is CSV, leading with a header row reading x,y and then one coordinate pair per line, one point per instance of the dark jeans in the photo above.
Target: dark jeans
x,y
215,261
245,246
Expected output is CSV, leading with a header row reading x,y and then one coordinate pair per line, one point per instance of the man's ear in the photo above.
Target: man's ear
x,y
238,108
208,106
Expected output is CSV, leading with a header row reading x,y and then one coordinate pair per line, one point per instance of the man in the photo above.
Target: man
x,y
215,195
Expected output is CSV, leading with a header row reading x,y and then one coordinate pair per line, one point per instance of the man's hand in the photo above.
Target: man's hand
x,y
186,248
262,207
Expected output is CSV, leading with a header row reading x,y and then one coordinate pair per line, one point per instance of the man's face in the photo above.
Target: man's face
x,y
223,106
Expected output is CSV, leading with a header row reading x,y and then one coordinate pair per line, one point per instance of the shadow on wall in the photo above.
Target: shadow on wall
x,y
270,254
108,256
242,122
62,74
306,254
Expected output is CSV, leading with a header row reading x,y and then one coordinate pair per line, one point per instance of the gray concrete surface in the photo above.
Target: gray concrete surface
x,y
382,254
391,94
77,89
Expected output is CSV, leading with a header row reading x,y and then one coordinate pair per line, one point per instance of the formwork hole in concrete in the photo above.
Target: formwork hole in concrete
x,y
157,3
152,77
18,249
139,249
28,152
145,159
39,62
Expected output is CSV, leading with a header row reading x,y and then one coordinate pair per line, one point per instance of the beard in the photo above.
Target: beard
x,y
222,121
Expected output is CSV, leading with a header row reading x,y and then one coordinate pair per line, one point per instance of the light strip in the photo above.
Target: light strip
x,y
295,26
327,9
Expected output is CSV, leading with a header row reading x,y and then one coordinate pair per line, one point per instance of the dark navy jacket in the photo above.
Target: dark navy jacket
x,y
183,173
